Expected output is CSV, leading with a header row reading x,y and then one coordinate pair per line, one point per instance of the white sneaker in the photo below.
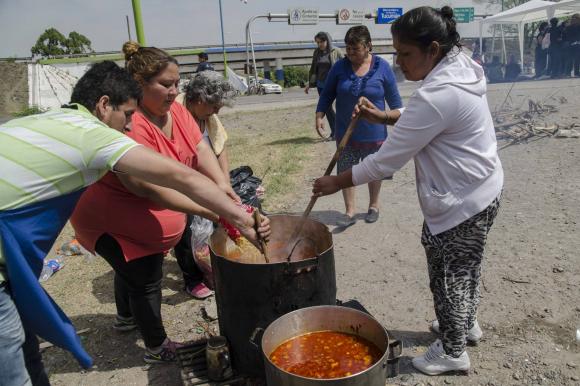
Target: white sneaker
x,y
435,361
473,335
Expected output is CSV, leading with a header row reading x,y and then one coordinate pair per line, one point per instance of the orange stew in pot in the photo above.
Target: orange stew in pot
x,y
325,354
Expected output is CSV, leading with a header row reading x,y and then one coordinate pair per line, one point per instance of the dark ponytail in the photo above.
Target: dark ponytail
x,y
423,25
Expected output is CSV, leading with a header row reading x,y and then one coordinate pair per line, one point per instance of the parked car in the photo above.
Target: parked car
x,y
269,87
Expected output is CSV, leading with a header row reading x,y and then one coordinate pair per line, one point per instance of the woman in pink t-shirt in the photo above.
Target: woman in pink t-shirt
x,y
133,224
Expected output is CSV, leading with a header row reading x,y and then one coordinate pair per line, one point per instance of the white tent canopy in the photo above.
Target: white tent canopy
x,y
533,10
526,13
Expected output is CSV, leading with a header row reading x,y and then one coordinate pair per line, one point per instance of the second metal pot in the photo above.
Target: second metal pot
x,y
321,318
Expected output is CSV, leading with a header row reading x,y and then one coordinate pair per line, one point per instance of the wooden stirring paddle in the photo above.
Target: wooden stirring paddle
x,y
339,149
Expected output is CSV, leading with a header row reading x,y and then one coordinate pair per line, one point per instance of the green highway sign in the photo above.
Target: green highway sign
x,y
464,15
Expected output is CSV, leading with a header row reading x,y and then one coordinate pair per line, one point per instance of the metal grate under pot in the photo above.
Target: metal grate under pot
x,y
191,360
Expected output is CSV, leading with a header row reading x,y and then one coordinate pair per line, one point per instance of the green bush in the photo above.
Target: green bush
x,y
295,76
29,111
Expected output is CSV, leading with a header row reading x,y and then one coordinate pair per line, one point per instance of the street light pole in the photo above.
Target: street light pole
x,y
138,22
223,41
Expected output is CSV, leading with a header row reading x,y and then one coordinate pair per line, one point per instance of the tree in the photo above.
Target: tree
x,y
78,44
52,43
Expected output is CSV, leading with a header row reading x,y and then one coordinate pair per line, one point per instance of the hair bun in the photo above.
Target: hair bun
x,y
130,48
447,12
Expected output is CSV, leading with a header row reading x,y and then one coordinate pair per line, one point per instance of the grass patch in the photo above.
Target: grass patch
x,y
279,146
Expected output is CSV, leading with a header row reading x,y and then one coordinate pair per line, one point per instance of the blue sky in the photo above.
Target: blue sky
x,y
176,23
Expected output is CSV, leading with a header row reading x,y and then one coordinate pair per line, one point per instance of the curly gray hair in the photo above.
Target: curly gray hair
x,y
210,87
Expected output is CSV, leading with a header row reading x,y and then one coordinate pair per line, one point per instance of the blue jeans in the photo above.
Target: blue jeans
x,y
20,360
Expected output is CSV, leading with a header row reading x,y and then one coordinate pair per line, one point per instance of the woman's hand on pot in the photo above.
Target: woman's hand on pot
x,y
264,231
264,227
324,186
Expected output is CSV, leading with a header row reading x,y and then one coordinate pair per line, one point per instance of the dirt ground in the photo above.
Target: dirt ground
x,y
13,88
530,307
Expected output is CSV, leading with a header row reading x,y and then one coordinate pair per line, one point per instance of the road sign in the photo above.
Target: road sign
x,y
464,15
350,16
303,16
388,15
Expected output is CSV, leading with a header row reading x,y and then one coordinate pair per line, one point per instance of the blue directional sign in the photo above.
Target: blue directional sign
x,y
388,15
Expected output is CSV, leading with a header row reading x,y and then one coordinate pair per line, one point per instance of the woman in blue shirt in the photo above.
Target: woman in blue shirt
x,y
360,73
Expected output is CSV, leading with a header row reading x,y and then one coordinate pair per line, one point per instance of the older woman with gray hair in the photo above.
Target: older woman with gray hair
x,y
205,94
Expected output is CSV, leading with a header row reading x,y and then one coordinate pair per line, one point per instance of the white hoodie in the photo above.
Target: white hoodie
x,y
448,130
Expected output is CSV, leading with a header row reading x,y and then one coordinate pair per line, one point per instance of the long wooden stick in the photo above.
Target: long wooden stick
x,y
339,149
262,242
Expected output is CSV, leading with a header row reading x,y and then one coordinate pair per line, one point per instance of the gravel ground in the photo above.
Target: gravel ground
x,y
531,276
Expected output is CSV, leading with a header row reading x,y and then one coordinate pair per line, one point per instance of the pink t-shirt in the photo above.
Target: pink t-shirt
x,y
139,225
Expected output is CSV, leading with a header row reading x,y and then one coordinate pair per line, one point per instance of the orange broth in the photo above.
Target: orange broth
x,y
325,354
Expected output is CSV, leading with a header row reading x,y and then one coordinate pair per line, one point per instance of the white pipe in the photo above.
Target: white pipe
x,y
253,54
249,37
481,41
503,44
493,41
521,42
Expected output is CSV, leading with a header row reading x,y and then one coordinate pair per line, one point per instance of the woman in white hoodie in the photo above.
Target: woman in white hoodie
x,y
448,131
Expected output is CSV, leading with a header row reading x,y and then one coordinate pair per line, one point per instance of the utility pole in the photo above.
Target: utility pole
x,y
223,41
138,22
128,27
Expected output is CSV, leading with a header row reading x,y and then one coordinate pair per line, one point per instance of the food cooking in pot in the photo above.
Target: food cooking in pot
x,y
325,355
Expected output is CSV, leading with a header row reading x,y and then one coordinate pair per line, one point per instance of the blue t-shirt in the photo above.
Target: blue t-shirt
x,y
377,85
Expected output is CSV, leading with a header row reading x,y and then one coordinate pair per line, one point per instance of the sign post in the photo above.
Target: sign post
x,y
388,15
350,16
302,16
464,15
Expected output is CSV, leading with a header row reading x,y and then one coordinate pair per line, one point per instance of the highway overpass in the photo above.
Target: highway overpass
x,y
274,54
268,54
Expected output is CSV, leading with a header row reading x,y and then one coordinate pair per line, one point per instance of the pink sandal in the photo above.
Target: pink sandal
x,y
199,292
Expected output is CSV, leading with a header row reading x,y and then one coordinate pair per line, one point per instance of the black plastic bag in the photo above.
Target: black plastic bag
x,y
245,185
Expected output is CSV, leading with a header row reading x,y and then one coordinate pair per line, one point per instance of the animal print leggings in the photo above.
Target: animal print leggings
x,y
454,260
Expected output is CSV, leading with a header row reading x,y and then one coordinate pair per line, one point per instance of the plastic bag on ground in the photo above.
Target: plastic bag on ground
x,y
247,186
201,230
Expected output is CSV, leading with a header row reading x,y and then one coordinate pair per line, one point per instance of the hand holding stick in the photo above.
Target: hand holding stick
x,y
331,165
261,241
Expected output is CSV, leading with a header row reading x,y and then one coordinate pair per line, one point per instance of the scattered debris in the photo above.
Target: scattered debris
x,y
209,310
516,281
521,126
568,133
45,345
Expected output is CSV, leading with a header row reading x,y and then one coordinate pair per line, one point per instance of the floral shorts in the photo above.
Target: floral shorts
x,y
351,156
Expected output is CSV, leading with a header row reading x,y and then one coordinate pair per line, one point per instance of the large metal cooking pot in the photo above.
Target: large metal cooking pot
x,y
251,296
320,318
